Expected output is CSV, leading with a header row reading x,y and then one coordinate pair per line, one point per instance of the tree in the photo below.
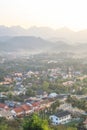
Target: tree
x,y
55,105
35,123
3,127
30,92
10,96
45,85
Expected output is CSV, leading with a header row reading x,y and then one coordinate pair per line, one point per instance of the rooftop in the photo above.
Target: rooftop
x,y
62,113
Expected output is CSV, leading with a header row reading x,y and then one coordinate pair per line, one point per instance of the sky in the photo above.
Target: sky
x,y
48,13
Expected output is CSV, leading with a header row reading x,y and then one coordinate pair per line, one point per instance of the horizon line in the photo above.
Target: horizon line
x,y
36,26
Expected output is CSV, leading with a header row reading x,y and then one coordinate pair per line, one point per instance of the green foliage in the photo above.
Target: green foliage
x,y
35,123
54,106
10,96
2,74
71,128
3,127
30,92
45,85
63,127
81,104
10,124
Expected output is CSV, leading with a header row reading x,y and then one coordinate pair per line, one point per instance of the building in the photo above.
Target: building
x,y
61,117
22,110
27,109
52,95
85,123
19,111
3,106
7,114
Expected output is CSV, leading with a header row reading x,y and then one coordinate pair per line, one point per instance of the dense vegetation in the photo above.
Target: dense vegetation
x,y
33,122
81,104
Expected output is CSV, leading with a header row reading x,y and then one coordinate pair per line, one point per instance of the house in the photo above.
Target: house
x,y
68,83
61,117
11,104
7,114
5,83
36,106
41,94
45,103
81,78
3,106
85,123
22,110
18,74
27,108
65,106
8,79
19,111
52,95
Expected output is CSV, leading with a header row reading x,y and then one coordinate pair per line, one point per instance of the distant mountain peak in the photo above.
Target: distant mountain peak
x,y
45,32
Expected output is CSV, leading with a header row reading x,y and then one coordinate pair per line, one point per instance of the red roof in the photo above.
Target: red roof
x,y
26,107
18,109
22,108
35,104
2,105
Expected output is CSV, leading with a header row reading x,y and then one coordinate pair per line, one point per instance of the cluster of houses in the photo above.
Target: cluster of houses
x,y
12,110
26,109
19,77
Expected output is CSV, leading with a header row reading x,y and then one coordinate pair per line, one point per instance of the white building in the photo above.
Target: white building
x,y
60,118
52,95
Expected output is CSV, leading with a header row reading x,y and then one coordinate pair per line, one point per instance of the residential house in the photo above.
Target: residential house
x,y
85,123
41,94
3,106
61,117
68,83
27,109
65,106
7,114
52,95
36,106
19,111
81,78
8,79
22,110
18,74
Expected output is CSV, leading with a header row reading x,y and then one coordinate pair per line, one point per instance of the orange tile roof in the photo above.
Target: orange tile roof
x,y
18,109
35,104
26,107
2,105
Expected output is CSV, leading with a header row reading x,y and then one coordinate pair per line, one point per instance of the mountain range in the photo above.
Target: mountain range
x,y
46,33
32,44
42,39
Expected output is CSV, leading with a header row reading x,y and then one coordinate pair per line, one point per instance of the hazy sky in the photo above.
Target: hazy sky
x,y
51,13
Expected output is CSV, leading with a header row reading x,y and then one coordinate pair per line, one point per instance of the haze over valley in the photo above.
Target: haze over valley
x,y
43,65
42,40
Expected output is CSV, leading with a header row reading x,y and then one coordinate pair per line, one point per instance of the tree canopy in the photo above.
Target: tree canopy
x,y
35,123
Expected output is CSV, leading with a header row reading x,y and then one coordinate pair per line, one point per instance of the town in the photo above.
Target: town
x,y
52,85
